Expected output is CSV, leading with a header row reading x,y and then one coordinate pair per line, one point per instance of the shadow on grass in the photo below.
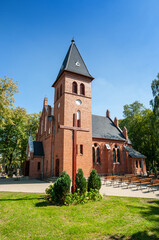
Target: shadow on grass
x,y
136,236
150,213
46,204
20,199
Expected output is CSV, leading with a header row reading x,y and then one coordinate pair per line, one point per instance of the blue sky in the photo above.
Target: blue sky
x,y
118,40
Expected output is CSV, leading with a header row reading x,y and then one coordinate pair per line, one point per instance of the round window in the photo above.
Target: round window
x,y
78,102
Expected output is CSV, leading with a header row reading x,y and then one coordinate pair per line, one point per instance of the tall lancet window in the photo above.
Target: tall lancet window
x,y
114,156
78,119
74,87
98,155
93,154
118,155
82,89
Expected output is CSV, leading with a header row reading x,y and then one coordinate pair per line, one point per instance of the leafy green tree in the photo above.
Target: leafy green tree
x,y
14,136
155,91
7,89
142,130
155,106
81,183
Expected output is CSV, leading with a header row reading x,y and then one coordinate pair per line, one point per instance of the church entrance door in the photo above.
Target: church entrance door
x,y
57,168
27,166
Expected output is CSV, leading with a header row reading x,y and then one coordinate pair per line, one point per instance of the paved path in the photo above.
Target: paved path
x,y
37,186
28,186
131,191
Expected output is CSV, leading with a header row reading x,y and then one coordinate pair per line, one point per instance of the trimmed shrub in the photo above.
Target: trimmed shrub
x,y
57,193
81,183
62,187
94,181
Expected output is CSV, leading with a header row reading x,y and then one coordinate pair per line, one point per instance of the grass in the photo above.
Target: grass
x,y
28,216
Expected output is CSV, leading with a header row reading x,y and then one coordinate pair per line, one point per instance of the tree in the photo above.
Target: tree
x,y
155,91
155,106
7,89
141,126
134,109
14,136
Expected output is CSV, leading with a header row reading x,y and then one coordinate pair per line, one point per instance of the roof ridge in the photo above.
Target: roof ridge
x,y
99,115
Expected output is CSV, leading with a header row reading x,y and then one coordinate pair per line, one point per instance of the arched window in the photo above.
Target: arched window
x,y
61,90
57,94
78,119
114,156
74,87
136,164
140,163
98,155
82,89
93,154
118,155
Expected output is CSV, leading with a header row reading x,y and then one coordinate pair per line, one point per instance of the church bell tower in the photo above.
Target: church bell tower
x,y
73,97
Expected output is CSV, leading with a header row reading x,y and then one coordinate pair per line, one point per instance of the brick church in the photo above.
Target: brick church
x,y
69,130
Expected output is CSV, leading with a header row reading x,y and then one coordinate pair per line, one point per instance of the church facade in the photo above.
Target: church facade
x,y
69,130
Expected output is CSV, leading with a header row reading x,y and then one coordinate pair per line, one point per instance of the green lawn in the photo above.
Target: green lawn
x,y
27,216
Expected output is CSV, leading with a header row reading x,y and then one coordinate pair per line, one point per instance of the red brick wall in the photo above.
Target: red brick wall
x,y
46,137
138,166
106,165
33,171
63,138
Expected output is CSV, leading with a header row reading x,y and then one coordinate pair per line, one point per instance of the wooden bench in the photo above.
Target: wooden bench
x,y
113,178
153,183
110,178
144,181
121,179
133,180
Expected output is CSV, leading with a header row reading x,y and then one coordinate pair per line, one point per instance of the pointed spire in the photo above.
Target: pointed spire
x,y
73,40
73,62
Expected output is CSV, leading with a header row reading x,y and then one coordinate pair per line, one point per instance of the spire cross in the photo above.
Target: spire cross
x,y
74,129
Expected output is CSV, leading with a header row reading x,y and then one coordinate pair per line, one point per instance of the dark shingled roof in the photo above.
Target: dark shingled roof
x,y
103,127
133,153
73,62
38,149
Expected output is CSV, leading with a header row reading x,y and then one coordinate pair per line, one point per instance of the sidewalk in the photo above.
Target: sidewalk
x,y
37,186
23,185
128,191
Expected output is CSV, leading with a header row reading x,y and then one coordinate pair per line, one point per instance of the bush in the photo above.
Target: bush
x,y
81,183
62,187
76,198
57,192
50,194
94,195
94,181
50,189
